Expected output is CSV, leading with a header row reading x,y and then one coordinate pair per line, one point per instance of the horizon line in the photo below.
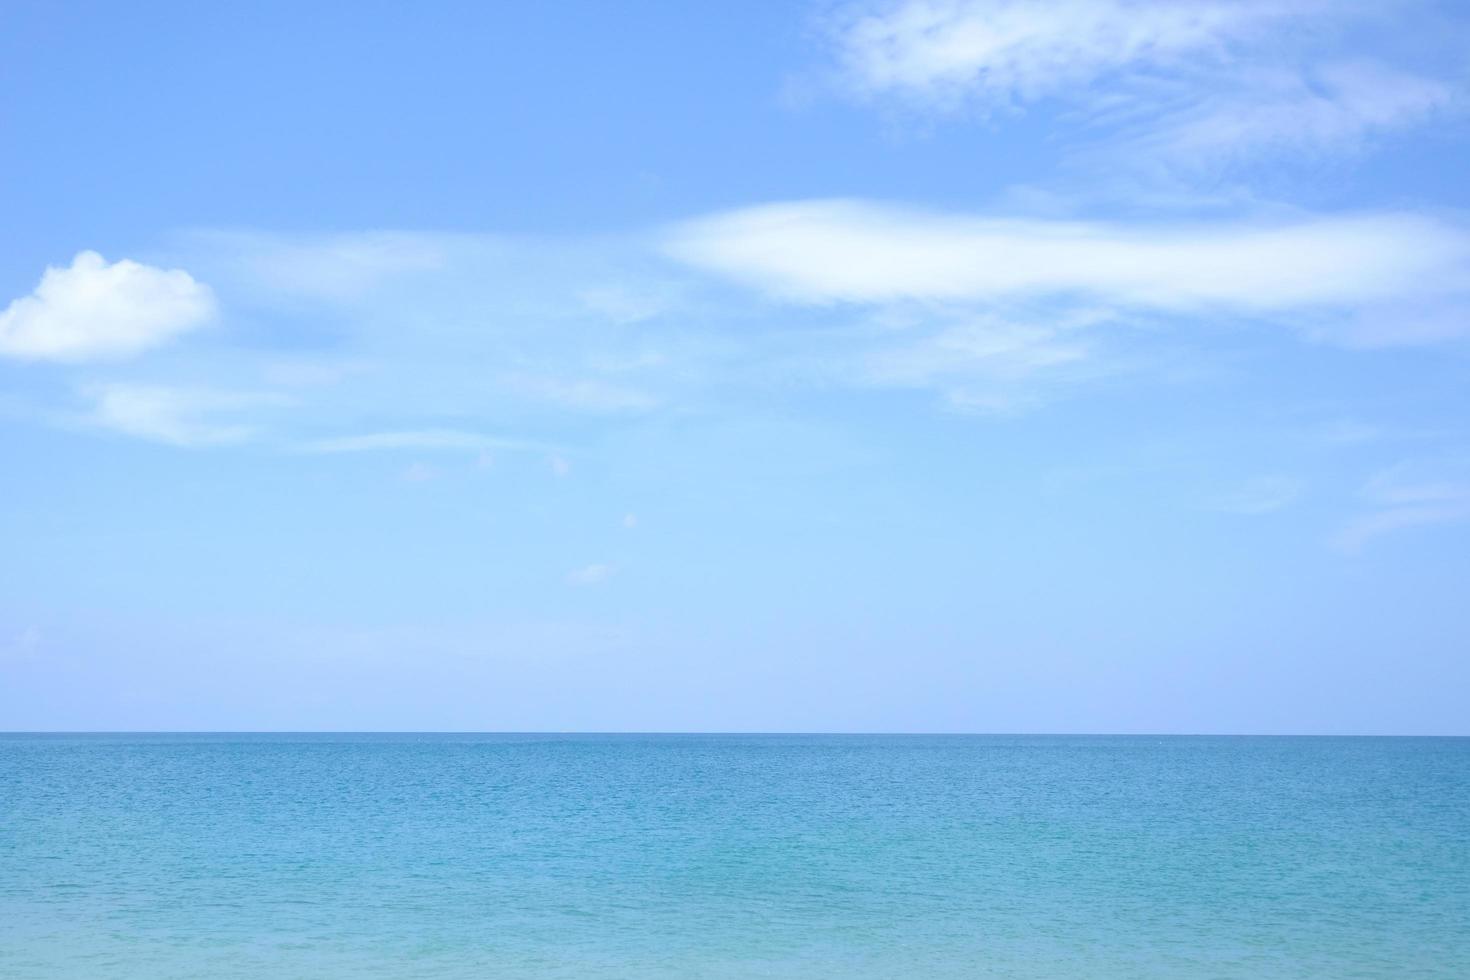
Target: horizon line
x,y
726,733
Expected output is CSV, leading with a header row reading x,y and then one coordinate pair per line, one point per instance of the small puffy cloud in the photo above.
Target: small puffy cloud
x,y
593,574
190,417
96,309
630,521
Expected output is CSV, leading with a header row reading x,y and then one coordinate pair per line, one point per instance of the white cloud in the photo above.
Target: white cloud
x,y
993,313
593,574
419,439
828,251
96,309
188,417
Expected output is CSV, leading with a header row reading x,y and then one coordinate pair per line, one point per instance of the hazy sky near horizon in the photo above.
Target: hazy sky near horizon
x,y
1095,365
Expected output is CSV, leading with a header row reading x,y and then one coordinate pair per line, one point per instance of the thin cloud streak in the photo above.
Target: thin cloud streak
x,y
1259,496
454,440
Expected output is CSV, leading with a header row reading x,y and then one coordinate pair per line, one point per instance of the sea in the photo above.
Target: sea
x,y
691,856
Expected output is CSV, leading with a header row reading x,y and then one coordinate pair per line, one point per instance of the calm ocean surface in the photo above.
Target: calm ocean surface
x,y
733,856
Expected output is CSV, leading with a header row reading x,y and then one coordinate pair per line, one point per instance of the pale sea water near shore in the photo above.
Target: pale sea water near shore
x,y
733,856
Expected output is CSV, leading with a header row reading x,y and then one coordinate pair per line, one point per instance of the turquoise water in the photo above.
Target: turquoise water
x,y
733,856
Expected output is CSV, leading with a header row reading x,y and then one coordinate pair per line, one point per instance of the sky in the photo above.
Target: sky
x,y
914,366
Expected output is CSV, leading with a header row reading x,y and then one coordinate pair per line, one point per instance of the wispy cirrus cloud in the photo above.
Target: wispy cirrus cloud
x,y
1190,83
1409,495
334,268
1258,495
1306,111
981,363
1003,52
189,417
597,395
23,646
594,574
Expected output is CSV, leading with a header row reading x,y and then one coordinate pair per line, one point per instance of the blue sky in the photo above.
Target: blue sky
x,y
912,366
